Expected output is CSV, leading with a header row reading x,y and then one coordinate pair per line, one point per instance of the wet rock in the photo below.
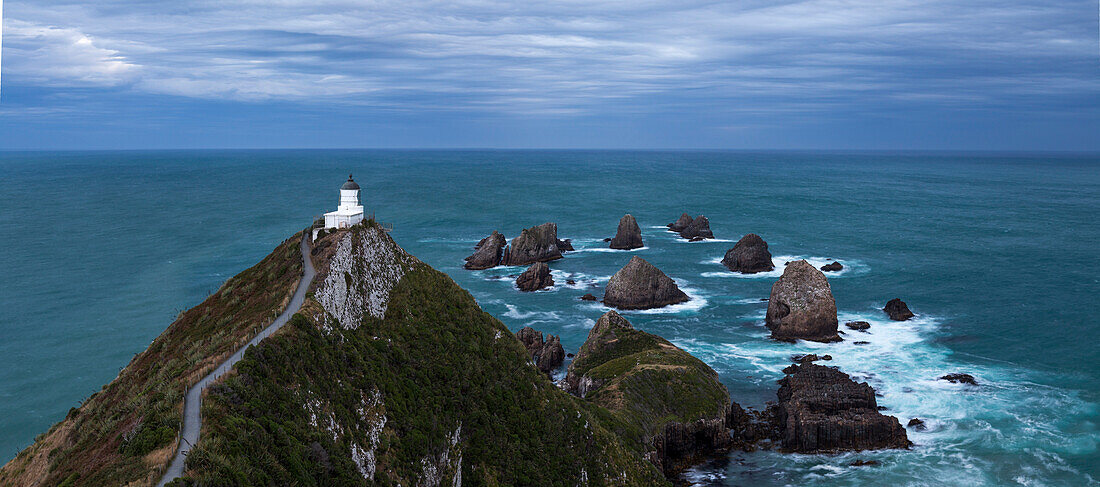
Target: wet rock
x,y
535,244
917,424
960,379
826,357
822,409
863,463
802,305
832,267
589,297
565,245
898,310
487,252
680,223
749,256
535,277
810,357
696,239
861,343
608,239
570,282
629,235
699,228
640,285
547,354
858,325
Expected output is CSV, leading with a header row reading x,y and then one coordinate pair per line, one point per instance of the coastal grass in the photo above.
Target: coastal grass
x,y
124,434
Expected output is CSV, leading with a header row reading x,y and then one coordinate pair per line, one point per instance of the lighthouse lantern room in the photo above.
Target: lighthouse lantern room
x,y
350,211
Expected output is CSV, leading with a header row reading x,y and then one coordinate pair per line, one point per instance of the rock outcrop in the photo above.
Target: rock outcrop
x,y
821,409
698,229
356,280
535,277
547,354
629,235
898,310
834,266
749,256
487,252
565,245
858,325
680,223
801,305
589,297
960,379
535,244
640,285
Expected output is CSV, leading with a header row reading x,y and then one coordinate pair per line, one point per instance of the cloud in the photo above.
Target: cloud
x,y
57,56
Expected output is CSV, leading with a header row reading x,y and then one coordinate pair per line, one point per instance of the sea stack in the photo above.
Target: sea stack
x,y
698,229
801,305
535,277
487,252
535,244
749,256
547,355
898,310
629,235
680,223
821,409
640,285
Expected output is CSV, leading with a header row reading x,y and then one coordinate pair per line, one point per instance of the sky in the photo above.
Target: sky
x,y
750,74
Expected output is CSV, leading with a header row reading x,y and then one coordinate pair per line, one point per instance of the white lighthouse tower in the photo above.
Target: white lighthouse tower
x,y
350,211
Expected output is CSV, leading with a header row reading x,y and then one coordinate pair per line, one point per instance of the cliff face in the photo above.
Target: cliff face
x,y
419,388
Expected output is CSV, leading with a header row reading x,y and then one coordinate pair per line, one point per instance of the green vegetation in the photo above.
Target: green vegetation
x,y
439,364
124,433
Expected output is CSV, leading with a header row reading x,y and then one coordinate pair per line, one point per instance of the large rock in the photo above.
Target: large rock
x,y
629,235
698,229
565,245
487,252
640,285
535,277
749,256
547,355
801,305
535,244
898,310
680,408
680,223
821,409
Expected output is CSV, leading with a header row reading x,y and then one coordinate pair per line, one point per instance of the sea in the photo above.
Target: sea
x,y
996,253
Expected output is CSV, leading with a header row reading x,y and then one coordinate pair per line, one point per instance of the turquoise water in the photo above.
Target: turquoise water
x,y
995,253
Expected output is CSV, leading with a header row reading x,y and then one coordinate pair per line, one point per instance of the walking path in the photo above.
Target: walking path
x,y
192,403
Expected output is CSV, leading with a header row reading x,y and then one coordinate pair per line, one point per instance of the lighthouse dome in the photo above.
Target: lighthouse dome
x,y
350,184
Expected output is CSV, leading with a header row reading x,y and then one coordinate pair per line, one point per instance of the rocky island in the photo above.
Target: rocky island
x,y
640,285
628,236
801,306
535,244
749,256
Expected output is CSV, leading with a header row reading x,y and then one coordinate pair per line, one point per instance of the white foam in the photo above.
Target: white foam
x,y
851,267
531,316
705,240
608,249
696,302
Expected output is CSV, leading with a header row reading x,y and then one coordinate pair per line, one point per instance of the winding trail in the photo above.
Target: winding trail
x,y
192,403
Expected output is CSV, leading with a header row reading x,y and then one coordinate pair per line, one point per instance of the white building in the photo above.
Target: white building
x,y
350,211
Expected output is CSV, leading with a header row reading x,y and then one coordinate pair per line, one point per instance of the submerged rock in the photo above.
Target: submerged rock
x,y
487,252
589,297
801,305
960,379
863,463
535,244
917,424
629,235
832,267
680,223
535,277
898,310
822,410
858,325
640,285
698,229
749,256
547,355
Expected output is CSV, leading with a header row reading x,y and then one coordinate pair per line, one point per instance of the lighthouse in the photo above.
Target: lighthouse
x,y
350,211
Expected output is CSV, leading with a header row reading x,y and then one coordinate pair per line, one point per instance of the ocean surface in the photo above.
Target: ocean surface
x,y
996,253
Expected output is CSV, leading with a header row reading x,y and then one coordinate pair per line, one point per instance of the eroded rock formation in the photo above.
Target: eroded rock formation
x,y
547,354
801,305
680,223
487,252
898,310
833,266
629,235
640,285
749,256
535,277
698,229
535,244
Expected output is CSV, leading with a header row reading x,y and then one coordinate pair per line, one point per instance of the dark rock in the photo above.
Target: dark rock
x,y
547,355
608,239
640,285
487,252
680,223
822,409
570,282
960,379
629,235
826,357
569,355
802,305
589,297
916,424
898,310
535,277
863,463
749,256
810,357
696,239
565,245
858,325
833,267
861,343
699,228
535,244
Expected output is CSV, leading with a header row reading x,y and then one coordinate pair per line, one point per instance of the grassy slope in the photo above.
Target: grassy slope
x,y
123,434
440,364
